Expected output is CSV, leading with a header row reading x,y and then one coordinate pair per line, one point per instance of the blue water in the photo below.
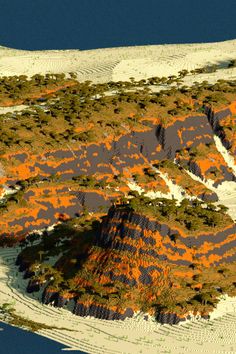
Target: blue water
x,y
87,24
17,341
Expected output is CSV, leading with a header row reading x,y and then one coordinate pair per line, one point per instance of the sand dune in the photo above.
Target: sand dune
x,y
116,64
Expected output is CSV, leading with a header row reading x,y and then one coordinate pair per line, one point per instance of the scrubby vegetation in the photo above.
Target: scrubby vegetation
x,y
191,216
70,239
8,311
21,89
65,114
75,112
83,262
180,177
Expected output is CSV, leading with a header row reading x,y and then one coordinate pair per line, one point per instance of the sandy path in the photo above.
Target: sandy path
x,y
226,193
175,191
226,155
12,109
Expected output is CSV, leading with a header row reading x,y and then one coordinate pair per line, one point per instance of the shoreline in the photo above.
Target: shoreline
x,y
101,336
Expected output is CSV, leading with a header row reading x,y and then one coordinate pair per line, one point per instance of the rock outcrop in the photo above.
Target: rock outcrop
x,y
139,148
134,259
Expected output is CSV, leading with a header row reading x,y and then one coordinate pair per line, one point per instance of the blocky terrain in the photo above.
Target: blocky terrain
x,y
131,262
72,157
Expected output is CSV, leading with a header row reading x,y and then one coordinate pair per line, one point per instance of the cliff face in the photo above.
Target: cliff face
x,y
223,125
185,132
135,261
129,154
125,230
42,207
154,144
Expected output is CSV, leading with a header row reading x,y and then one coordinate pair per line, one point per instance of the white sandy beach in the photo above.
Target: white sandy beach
x,y
121,63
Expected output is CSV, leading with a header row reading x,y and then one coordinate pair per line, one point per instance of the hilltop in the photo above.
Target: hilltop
x,y
145,255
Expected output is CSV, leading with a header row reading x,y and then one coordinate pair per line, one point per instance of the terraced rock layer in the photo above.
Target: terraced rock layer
x,y
42,207
223,125
126,155
138,254
154,144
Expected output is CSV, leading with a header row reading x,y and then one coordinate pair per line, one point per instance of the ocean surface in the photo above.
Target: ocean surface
x,y
90,24
17,341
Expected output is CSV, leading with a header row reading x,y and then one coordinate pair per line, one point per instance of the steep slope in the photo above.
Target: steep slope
x,y
188,140
147,255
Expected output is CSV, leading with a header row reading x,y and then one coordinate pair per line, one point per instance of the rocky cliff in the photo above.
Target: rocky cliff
x,y
137,263
155,143
189,140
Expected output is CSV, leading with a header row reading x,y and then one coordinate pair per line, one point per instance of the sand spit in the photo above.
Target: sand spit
x,y
140,62
136,335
